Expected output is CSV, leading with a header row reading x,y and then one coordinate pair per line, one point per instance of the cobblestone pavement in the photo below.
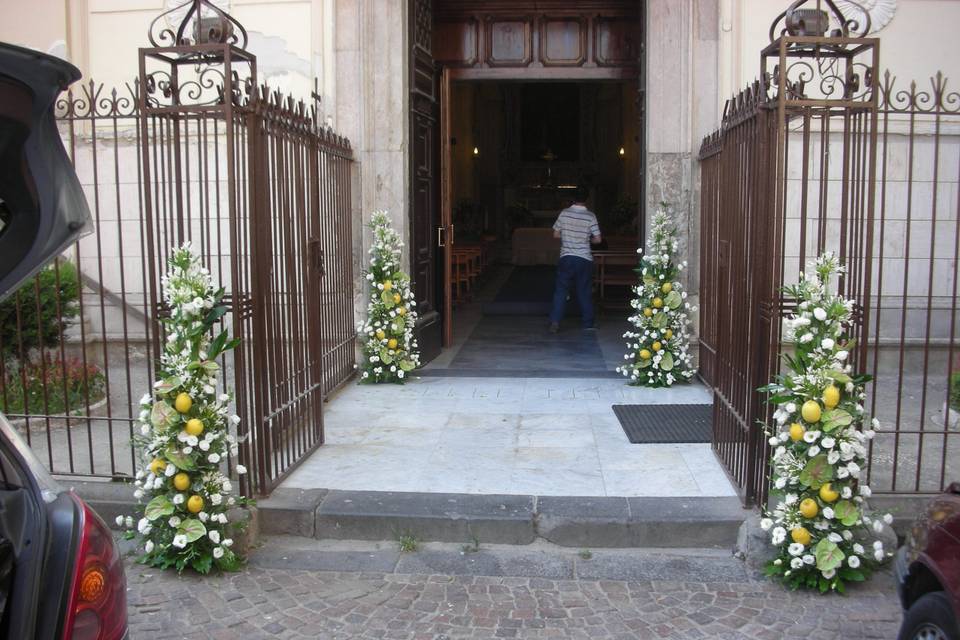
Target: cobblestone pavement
x,y
285,603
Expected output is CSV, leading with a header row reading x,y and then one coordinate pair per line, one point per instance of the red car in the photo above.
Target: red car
x,y
927,569
61,575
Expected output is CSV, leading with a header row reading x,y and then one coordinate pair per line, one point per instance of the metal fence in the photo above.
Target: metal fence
x,y
264,196
873,177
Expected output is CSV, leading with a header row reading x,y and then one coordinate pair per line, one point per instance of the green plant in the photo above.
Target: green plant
x,y
955,391
474,545
37,314
585,554
407,542
50,386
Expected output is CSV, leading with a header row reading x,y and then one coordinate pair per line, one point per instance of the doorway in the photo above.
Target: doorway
x,y
517,152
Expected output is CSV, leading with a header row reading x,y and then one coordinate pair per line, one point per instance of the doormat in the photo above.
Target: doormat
x,y
666,423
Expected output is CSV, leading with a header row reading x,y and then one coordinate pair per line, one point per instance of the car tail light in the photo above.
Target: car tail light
x,y
98,596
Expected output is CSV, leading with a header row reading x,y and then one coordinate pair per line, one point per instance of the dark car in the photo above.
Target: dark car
x,y
61,574
928,572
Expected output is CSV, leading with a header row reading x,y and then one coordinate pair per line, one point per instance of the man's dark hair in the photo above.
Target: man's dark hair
x,y
581,193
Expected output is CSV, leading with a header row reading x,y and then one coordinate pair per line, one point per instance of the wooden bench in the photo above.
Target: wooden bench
x,y
615,267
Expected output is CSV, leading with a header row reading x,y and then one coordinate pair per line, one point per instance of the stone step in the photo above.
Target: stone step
x,y
582,522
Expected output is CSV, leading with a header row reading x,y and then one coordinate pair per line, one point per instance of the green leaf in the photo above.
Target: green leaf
x,y
835,418
386,298
817,472
643,364
180,460
649,280
193,529
215,314
839,376
162,415
202,564
659,320
673,300
406,365
847,513
168,384
666,362
386,357
159,507
828,555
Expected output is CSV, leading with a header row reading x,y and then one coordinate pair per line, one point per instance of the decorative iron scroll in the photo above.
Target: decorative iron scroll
x,y
817,19
91,100
937,101
210,25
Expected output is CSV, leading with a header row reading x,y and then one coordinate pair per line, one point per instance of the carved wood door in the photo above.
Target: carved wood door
x,y
425,228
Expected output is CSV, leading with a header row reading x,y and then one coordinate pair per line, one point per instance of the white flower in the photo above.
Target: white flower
x,y
228,542
828,513
829,573
119,521
241,469
790,407
828,442
796,563
145,429
226,485
865,491
766,523
780,483
178,499
819,314
858,548
216,499
222,517
170,470
180,541
847,535
203,515
214,537
174,522
811,436
192,441
878,526
854,469
128,521
779,535
791,498
795,548
827,343
148,547
809,559
142,524
878,545
853,561
833,457
878,555
841,355
833,536
213,458
888,518
204,445
218,552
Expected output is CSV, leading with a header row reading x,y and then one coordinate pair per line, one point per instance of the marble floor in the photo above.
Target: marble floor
x,y
540,436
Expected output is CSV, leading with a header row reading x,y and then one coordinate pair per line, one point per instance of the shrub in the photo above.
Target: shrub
x,y
955,391
47,304
50,386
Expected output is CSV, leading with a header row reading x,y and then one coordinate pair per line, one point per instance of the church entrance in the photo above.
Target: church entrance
x,y
513,107
517,153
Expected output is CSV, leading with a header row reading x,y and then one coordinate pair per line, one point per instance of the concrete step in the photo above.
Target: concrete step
x,y
568,521
537,560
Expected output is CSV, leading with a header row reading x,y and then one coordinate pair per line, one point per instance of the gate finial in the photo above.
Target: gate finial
x,y
203,23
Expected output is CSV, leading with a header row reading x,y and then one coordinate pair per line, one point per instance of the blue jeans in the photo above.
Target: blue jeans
x,y
578,272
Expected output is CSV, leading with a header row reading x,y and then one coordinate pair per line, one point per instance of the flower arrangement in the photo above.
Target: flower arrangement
x,y
819,527
659,342
389,348
184,436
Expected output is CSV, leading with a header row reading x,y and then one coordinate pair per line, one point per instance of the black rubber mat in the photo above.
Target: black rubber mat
x,y
665,423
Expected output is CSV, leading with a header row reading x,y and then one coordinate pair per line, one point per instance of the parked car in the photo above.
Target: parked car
x,y
61,574
927,569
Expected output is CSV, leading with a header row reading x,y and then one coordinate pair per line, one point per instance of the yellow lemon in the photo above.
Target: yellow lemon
x,y
195,504
657,302
668,334
396,298
380,334
801,535
387,285
796,431
392,343
194,427
648,311
181,481
666,288
644,354
811,411
401,311
657,346
183,402
831,396
809,508
827,494
157,466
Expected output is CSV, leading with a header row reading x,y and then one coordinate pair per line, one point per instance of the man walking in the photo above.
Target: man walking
x,y
577,228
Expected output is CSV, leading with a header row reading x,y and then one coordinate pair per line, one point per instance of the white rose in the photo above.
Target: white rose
x,y
174,522
778,536
858,548
178,499
180,541
218,552
766,523
228,542
204,445
796,563
213,458
192,440
853,561
795,548
119,521
241,469
828,513
827,343
809,559
829,574
878,555
142,524
888,518
169,470
216,499
813,451
214,537
148,547
203,515
878,545
819,314
835,537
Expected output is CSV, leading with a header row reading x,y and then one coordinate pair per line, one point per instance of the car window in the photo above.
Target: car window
x,y
19,215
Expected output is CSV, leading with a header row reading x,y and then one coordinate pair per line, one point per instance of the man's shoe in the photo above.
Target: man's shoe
x,y
553,328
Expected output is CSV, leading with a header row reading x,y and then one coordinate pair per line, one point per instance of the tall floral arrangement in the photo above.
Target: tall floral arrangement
x,y
389,348
658,342
819,527
184,435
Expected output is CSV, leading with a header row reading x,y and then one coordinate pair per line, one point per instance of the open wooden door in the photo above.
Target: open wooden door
x,y
445,232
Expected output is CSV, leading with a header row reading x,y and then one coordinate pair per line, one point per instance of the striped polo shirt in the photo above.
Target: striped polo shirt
x,y
576,225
